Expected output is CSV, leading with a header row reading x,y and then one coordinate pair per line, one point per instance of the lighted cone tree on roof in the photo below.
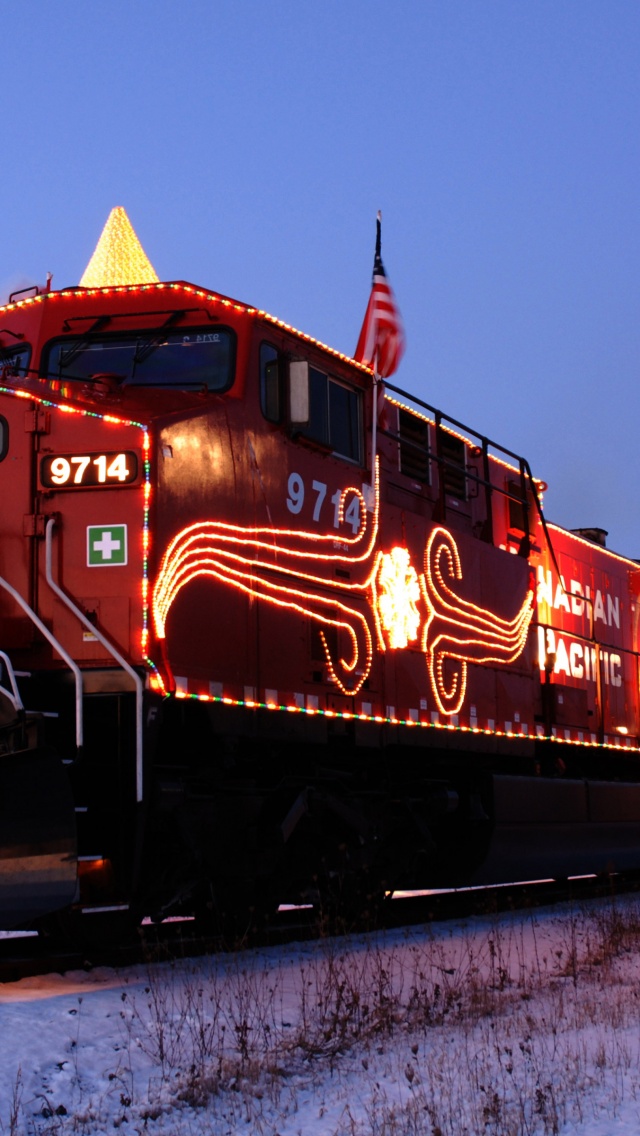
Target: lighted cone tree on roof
x,y
119,258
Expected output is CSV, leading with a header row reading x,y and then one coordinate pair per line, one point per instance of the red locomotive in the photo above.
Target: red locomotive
x,y
263,640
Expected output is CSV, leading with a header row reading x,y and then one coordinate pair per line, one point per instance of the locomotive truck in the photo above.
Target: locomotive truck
x,y
267,638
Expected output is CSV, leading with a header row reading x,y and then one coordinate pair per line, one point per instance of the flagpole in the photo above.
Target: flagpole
x,y
376,376
381,341
374,423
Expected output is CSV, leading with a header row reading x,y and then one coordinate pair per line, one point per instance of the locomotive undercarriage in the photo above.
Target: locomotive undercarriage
x,y
242,812
334,815
267,820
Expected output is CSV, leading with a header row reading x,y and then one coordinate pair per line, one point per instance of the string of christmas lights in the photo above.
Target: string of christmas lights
x,y
460,631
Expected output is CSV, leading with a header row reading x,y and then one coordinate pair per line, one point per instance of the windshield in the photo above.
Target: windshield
x,y
199,359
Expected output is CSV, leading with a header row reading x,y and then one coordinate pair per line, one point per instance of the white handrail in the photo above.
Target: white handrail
x,y
58,647
14,694
106,644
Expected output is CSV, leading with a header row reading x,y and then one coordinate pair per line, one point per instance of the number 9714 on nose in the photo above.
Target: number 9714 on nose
x,y
79,471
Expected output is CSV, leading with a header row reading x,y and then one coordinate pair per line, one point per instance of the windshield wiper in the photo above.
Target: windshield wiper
x,y
80,345
147,346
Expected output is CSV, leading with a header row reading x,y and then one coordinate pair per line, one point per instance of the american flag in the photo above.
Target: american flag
x,y
381,342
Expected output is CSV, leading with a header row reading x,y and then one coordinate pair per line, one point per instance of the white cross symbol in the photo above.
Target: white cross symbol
x,y
106,545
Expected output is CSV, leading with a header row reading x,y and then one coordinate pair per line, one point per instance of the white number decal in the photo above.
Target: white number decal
x,y
118,468
82,464
60,471
101,464
321,490
352,515
295,500
349,516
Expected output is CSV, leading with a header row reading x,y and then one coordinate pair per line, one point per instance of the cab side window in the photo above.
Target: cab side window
x,y
270,383
335,415
17,359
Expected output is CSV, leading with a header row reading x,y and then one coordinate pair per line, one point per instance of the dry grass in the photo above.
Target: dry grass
x,y
513,1031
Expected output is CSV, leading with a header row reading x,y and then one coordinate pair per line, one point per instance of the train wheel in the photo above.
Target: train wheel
x,y
236,912
348,898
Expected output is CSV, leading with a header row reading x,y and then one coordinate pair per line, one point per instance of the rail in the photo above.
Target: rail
x,y
530,498
113,651
50,637
14,694
484,448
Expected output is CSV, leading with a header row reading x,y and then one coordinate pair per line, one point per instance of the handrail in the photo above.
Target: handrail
x,y
50,637
115,654
527,480
14,694
452,421
444,422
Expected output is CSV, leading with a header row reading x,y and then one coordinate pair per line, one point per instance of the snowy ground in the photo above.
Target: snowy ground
x,y
492,1027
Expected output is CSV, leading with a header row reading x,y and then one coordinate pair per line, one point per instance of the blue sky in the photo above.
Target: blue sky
x,y
251,144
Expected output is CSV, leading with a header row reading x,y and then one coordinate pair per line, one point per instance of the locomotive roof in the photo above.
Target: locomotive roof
x,y
186,288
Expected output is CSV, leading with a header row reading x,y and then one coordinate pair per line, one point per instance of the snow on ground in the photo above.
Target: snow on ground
x,y
519,1024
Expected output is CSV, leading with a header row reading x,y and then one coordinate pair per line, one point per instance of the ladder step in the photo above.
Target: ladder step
x,y
105,910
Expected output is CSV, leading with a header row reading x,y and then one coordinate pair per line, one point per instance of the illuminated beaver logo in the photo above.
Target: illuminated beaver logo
x,y
283,567
457,632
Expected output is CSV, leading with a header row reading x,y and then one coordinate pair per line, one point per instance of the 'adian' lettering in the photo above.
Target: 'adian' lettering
x,y
576,599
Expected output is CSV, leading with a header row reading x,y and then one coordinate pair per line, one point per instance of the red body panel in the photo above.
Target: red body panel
x,y
587,613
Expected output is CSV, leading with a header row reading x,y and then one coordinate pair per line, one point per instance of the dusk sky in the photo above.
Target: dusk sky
x,y
252,143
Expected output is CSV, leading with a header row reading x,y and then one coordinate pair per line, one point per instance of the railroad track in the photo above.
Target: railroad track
x,y
32,955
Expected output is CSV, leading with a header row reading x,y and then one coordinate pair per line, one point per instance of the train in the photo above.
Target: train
x,y
270,634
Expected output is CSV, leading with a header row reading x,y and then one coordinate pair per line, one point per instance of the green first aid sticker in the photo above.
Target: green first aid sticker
x,y
106,544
